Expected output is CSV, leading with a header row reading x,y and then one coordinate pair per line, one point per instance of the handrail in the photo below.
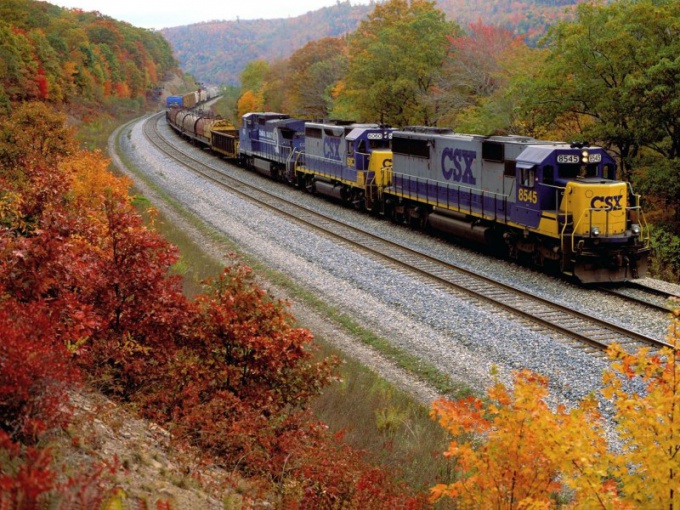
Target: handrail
x,y
458,189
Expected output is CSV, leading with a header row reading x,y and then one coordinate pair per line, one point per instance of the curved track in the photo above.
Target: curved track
x,y
551,317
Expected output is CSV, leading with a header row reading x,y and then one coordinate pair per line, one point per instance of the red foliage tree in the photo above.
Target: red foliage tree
x,y
140,304
35,371
242,368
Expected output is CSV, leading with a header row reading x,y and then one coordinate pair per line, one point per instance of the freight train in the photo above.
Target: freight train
x,y
192,99
552,204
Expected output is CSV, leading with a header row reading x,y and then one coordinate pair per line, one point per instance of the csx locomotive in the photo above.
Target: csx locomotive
x,y
550,203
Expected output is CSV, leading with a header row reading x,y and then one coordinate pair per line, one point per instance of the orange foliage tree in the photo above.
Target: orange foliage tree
x,y
250,102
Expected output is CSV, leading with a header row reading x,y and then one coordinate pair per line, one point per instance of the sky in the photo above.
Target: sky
x,y
172,13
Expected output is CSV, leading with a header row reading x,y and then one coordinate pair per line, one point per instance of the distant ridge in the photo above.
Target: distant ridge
x,y
217,51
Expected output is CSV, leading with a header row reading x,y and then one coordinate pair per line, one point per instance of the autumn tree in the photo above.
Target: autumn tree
x,y
242,367
253,75
249,102
516,452
253,80
32,142
54,54
19,68
612,69
482,80
47,260
395,57
313,72
275,87
645,389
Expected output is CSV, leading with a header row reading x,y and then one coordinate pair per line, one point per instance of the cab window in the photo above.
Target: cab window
x,y
527,177
588,171
548,174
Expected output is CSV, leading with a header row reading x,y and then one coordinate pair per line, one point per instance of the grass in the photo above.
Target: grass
x,y
366,410
394,430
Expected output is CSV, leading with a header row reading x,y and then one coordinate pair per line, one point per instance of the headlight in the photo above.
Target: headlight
x,y
595,231
635,229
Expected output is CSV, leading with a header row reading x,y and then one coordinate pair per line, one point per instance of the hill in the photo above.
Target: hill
x,y
68,57
206,50
217,51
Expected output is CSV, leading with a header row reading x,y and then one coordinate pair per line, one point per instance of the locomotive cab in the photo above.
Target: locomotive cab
x,y
338,160
596,220
361,143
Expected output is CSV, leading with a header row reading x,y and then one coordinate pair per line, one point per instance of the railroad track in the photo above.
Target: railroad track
x,y
550,316
644,296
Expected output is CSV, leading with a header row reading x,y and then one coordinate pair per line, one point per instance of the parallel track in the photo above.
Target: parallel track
x,y
644,296
550,316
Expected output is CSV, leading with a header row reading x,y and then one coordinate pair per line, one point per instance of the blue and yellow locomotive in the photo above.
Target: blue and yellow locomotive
x,y
547,201
550,203
341,160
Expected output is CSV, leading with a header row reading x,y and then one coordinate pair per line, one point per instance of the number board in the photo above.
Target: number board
x,y
568,158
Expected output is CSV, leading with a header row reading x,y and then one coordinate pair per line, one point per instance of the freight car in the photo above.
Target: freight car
x,y
192,99
549,203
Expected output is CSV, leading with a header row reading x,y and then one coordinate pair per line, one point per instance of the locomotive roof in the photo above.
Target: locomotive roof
x,y
285,122
426,133
534,155
349,125
266,115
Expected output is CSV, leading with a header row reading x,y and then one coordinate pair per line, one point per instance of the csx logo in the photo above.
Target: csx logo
x,y
457,165
606,202
331,148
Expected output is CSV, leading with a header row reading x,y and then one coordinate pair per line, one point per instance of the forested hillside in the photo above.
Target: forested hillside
x,y
217,51
529,18
58,55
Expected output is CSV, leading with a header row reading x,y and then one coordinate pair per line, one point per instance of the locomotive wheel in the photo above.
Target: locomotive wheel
x,y
397,217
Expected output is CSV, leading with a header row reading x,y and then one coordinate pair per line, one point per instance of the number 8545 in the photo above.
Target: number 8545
x,y
527,195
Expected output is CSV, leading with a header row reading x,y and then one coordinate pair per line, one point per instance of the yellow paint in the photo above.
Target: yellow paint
x,y
381,165
601,205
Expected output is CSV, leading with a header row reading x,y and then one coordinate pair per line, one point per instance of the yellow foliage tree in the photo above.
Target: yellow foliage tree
x,y
512,451
648,423
517,453
92,185
92,179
